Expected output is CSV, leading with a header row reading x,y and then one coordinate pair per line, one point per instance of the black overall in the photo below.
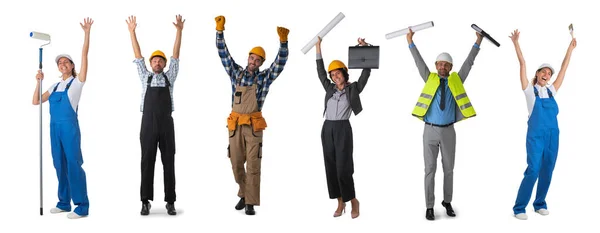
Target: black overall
x,y
157,128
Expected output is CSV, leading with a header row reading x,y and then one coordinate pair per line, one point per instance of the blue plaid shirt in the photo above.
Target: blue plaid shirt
x,y
158,80
264,78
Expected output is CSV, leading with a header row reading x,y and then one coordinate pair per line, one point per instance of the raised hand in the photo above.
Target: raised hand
x,y
179,22
409,35
361,42
514,36
131,23
573,44
283,34
220,20
39,76
87,24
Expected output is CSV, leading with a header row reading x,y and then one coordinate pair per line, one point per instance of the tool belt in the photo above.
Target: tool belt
x,y
254,119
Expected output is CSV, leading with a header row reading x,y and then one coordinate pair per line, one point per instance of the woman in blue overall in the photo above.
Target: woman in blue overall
x,y
65,137
542,130
341,98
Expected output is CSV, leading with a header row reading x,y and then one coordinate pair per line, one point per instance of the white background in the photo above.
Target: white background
x,y
490,156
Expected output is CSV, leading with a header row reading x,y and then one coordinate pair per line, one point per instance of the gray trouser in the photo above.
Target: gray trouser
x,y
435,138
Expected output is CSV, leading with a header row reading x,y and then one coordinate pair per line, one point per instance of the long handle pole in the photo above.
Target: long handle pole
x,y
41,174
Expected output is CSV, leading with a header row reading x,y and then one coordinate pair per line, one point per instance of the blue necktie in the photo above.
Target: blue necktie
x,y
442,93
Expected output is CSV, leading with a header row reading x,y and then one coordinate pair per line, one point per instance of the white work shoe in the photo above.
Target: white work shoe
x,y
73,215
543,212
521,216
57,210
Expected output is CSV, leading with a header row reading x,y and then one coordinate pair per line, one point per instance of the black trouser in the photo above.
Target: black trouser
x,y
336,138
157,129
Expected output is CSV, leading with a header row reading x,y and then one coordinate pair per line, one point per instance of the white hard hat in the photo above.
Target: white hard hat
x,y
546,65
444,57
63,55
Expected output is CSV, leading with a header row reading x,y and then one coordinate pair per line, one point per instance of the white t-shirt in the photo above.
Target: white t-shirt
x,y
74,91
542,92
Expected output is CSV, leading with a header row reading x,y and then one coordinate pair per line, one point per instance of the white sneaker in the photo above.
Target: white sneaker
x,y
73,215
543,212
521,216
57,210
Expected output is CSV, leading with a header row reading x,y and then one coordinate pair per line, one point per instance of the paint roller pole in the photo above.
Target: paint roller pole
x,y
484,34
323,32
405,31
41,174
44,37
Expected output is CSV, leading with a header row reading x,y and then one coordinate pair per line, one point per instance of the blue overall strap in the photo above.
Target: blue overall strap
x,y
549,93
535,91
68,84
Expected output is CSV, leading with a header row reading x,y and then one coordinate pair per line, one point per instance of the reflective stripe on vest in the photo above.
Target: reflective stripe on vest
x,y
458,92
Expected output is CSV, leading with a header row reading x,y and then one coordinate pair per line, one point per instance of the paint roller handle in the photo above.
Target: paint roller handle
x,y
41,58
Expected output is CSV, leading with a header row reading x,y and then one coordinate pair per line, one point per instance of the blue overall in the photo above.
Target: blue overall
x,y
542,150
65,139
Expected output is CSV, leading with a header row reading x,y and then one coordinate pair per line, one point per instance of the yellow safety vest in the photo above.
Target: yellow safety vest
x,y
458,92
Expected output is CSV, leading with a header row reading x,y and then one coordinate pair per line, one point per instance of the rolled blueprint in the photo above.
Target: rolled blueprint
x,y
484,34
405,31
323,32
39,36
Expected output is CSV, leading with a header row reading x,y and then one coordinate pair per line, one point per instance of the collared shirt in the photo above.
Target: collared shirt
x,y
338,107
437,116
542,92
264,78
158,80
74,93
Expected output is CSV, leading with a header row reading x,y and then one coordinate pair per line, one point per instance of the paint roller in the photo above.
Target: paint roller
x,y
405,31
43,37
484,34
323,32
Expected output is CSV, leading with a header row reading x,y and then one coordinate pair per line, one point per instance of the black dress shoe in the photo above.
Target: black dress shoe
x,y
145,209
241,204
171,209
449,210
429,214
250,210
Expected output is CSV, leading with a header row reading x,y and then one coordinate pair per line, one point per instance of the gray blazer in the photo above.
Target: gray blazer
x,y
352,91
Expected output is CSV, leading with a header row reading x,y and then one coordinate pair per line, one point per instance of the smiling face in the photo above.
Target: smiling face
x,y
543,76
65,66
443,68
254,62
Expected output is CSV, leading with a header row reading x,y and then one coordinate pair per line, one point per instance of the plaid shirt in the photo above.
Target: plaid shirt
x,y
264,78
158,80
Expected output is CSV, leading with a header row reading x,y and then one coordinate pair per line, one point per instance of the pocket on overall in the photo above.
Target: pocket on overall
x,y
55,97
231,125
260,150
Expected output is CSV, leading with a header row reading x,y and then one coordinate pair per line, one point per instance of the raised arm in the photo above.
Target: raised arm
x,y
179,25
226,59
36,95
366,73
466,66
86,26
131,22
321,66
421,66
277,66
565,64
514,36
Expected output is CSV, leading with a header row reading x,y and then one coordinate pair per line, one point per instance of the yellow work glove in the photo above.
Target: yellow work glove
x,y
283,33
220,22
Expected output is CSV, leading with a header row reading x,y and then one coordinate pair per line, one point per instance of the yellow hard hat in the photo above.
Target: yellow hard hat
x,y
258,51
159,54
336,64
